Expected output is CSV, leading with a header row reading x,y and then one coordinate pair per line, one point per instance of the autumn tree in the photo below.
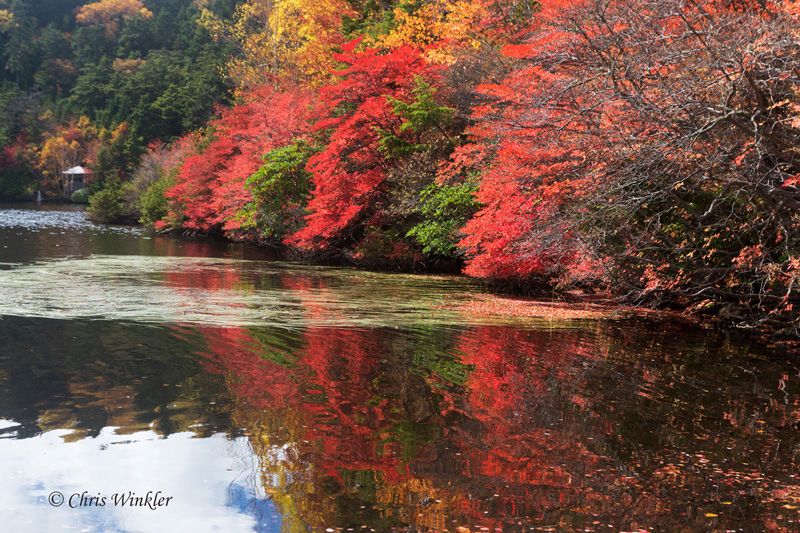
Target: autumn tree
x,y
67,146
651,143
350,172
153,175
110,13
281,39
210,191
443,26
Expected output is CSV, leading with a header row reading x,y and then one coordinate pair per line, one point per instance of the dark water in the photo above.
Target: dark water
x,y
267,396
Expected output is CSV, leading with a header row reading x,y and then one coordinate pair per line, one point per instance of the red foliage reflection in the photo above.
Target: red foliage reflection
x,y
492,426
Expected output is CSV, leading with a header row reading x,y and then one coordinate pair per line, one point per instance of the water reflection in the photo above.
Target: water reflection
x,y
224,292
336,410
30,233
528,428
221,496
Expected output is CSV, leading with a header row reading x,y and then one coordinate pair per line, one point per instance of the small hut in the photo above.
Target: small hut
x,y
75,179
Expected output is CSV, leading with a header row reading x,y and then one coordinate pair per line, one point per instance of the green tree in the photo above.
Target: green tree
x,y
56,73
280,189
19,52
444,209
108,205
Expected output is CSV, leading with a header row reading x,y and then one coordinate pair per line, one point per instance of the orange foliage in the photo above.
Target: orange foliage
x,y
109,13
282,40
444,26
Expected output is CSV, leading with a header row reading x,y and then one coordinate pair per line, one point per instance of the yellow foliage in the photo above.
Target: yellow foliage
x,y
84,124
66,146
119,132
6,19
450,24
58,154
127,66
109,13
294,39
309,31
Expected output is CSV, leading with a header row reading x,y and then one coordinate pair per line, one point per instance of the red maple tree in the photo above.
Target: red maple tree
x,y
349,172
210,188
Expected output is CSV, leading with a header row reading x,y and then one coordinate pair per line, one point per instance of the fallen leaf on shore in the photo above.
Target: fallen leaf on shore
x,y
506,306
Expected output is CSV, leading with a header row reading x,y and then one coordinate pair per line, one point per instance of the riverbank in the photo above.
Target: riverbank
x,y
517,299
537,300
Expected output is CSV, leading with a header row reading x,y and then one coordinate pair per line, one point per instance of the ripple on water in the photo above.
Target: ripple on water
x,y
39,220
227,293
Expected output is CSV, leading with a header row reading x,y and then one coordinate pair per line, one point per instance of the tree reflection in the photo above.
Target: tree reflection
x,y
503,427
433,426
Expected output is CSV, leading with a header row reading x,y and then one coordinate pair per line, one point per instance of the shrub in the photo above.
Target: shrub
x,y
153,205
108,205
81,196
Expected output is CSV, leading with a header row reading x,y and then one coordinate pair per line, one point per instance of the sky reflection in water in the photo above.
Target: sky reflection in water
x,y
223,495
271,397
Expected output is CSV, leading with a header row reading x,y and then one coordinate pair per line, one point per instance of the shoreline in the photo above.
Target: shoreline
x,y
511,301
504,300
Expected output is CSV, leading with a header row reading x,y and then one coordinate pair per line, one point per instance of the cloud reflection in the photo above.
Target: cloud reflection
x,y
224,495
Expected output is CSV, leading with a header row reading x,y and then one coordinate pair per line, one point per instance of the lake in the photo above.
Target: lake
x,y
260,395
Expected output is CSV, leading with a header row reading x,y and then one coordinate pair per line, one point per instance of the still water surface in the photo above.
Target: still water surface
x,y
268,396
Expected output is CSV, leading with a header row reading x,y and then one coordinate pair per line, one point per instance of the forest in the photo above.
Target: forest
x,y
646,151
